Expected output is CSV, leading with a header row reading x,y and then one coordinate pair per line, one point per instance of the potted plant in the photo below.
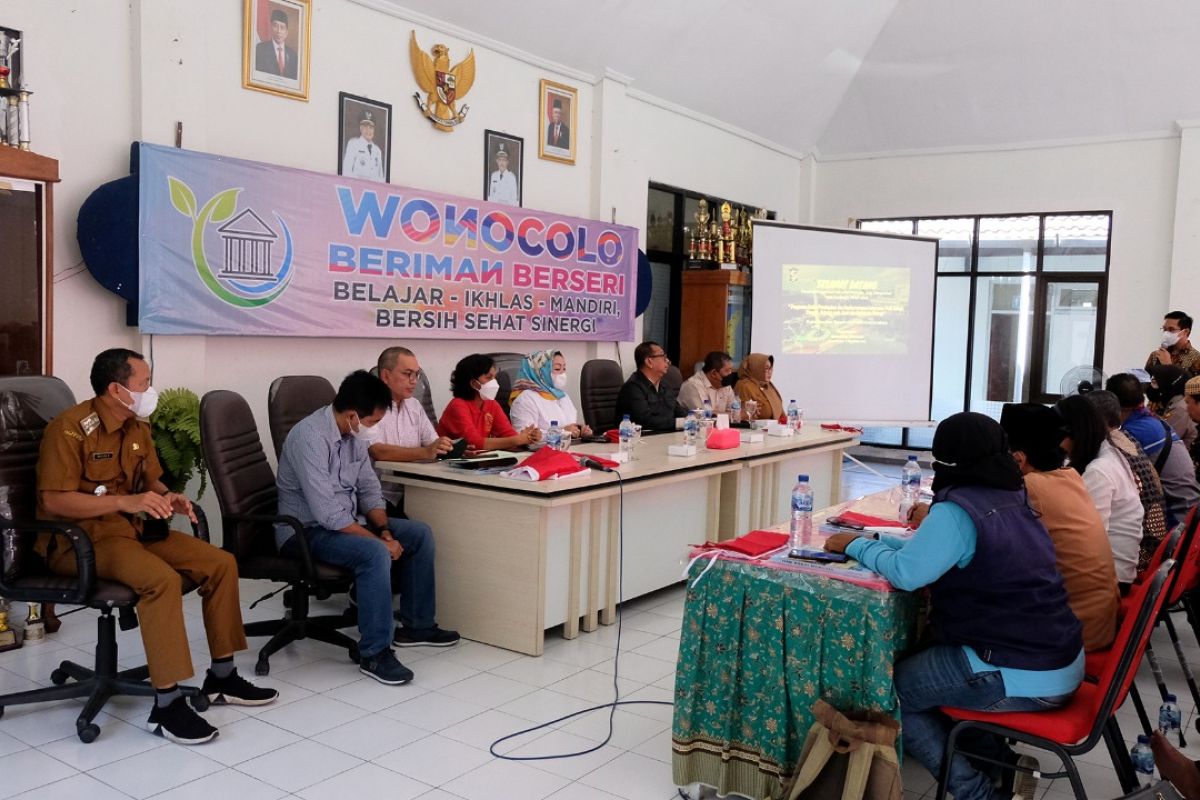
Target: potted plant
x,y
176,427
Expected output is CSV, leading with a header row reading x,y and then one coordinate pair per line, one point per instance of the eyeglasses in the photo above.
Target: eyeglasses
x,y
410,374
659,355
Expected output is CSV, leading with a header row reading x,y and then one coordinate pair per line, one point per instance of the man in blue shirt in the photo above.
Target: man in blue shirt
x,y
327,482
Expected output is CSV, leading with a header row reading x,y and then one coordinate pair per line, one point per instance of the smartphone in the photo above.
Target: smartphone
x,y
845,523
804,554
456,451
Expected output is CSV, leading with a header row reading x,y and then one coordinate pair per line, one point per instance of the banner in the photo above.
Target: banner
x,y
239,247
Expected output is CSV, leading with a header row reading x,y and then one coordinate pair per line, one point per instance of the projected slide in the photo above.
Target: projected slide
x,y
840,310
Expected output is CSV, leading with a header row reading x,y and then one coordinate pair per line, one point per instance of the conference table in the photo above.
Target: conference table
x,y
515,558
760,643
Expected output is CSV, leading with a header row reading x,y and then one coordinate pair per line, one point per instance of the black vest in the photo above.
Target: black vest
x,y
1009,604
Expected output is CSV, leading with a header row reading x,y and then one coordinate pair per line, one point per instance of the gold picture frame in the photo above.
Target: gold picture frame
x,y
277,67
558,115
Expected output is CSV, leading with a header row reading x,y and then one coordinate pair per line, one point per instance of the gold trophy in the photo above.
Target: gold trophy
x,y
8,637
728,244
35,628
703,251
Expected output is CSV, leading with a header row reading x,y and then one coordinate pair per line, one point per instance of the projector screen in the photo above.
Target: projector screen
x,y
848,316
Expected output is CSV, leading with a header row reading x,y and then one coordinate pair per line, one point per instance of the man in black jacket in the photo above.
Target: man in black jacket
x,y
644,397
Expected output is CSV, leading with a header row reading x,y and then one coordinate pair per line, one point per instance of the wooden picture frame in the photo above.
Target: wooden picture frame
x,y
368,160
279,68
496,188
558,117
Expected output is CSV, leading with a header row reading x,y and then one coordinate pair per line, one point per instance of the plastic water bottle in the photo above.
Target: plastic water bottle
x,y
1143,760
625,432
735,411
691,426
554,436
708,409
793,416
910,487
802,510
1170,718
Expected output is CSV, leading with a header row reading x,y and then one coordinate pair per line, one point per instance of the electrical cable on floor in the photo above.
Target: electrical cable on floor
x,y
617,701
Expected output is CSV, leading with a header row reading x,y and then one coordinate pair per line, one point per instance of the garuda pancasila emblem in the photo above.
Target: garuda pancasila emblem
x,y
444,86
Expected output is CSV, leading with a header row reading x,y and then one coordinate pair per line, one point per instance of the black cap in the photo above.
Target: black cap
x,y
1031,422
279,16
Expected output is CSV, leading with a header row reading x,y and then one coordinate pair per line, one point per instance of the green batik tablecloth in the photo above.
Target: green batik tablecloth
x,y
758,646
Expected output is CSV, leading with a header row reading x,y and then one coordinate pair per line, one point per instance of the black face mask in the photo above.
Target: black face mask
x,y
730,380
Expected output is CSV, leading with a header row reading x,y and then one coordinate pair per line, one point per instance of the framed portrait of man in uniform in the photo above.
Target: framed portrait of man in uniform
x,y
276,41
364,138
557,121
503,167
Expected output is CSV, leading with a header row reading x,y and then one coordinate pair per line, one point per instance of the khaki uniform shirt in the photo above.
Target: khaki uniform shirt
x,y
85,447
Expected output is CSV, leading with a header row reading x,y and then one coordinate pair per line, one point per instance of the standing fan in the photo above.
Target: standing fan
x,y
1081,380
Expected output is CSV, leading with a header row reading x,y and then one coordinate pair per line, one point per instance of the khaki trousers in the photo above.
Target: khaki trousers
x,y
153,572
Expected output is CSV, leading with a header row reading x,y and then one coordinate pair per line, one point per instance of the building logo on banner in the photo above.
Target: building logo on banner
x,y
250,273
443,85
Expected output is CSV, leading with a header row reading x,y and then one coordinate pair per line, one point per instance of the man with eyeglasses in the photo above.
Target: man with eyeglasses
x,y
644,397
405,432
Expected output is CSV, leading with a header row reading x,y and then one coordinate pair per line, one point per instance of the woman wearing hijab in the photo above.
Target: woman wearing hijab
x,y
539,395
755,385
1006,637
1167,383
474,414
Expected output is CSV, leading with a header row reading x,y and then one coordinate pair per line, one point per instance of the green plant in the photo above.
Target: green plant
x,y
176,426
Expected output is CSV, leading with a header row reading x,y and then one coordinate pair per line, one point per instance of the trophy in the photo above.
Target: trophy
x,y
35,628
9,45
8,637
728,243
703,251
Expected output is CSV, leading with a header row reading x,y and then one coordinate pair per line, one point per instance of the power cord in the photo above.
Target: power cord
x,y
616,701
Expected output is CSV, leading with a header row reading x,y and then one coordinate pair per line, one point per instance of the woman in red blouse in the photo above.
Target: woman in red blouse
x,y
474,414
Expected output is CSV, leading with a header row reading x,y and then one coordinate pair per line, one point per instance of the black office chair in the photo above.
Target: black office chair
x,y
291,399
27,404
507,366
673,380
600,382
423,394
245,487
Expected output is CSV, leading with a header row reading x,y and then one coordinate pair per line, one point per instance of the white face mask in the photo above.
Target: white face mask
x,y
1170,338
560,380
144,403
363,433
489,390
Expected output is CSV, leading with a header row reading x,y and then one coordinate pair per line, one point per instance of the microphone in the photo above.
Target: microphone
x,y
591,462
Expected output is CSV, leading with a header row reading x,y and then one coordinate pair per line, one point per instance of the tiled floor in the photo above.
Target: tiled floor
x,y
335,733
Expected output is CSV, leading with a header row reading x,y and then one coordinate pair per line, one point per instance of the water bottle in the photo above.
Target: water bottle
x,y
1170,718
793,416
708,409
690,427
735,411
802,509
910,487
554,436
626,436
1143,760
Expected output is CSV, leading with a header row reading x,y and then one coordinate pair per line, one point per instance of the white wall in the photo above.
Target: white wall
x,y
1136,180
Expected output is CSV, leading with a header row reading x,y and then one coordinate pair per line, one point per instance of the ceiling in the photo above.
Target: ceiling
x,y
870,76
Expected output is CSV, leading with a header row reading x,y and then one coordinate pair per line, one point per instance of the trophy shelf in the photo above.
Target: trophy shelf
x,y
27,165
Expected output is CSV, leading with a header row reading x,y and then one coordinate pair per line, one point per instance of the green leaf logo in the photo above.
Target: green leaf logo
x,y
182,197
224,204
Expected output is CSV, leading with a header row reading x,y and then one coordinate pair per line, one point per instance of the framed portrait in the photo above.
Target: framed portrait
x,y
277,41
364,138
503,167
557,118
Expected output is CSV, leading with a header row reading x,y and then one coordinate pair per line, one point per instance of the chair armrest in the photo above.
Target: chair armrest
x,y
85,563
200,526
306,559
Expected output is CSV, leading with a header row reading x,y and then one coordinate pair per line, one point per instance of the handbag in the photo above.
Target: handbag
x,y
849,757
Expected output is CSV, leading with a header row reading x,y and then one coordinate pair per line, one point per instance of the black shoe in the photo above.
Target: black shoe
x,y
385,668
178,723
425,637
234,690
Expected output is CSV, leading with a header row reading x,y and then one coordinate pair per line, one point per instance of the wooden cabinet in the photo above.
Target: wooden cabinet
x,y
715,314
26,261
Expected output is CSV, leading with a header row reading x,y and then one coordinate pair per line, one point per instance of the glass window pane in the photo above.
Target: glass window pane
x,y
654,322
1000,355
660,221
950,324
1008,244
954,245
902,226
20,284
1075,243
921,438
1071,314
882,436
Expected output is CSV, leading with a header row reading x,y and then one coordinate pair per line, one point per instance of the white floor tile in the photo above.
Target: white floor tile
x,y
439,794
371,695
633,777
12,682
435,673
320,676
246,739
595,687
370,737
10,745
538,672
433,711
156,771
638,668
629,730
39,723
311,715
36,663
365,781
662,708
665,648
652,622
606,636
480,731
288,693
117,740
579,791
578,652
29,769
506,780
76,787
544,705
434,760
657,747
486,689
558,743
473,654
298,765
228,783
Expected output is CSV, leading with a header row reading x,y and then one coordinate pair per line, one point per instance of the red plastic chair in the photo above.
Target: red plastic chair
x,y
1077,727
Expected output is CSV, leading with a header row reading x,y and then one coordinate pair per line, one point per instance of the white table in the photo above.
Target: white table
x,y
515,558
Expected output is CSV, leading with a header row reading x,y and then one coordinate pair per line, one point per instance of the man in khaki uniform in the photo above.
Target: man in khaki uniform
x,y
98,469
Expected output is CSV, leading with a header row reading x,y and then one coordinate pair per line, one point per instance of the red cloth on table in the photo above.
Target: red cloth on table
x,y
754,543
548,463
463,419
868,521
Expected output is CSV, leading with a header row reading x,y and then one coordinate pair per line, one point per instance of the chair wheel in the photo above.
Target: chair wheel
x,y
263,667
58,677
88,733
200,702
353,653
1,712
287,598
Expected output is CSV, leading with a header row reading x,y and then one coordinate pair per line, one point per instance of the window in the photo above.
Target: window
x,y
1020,301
